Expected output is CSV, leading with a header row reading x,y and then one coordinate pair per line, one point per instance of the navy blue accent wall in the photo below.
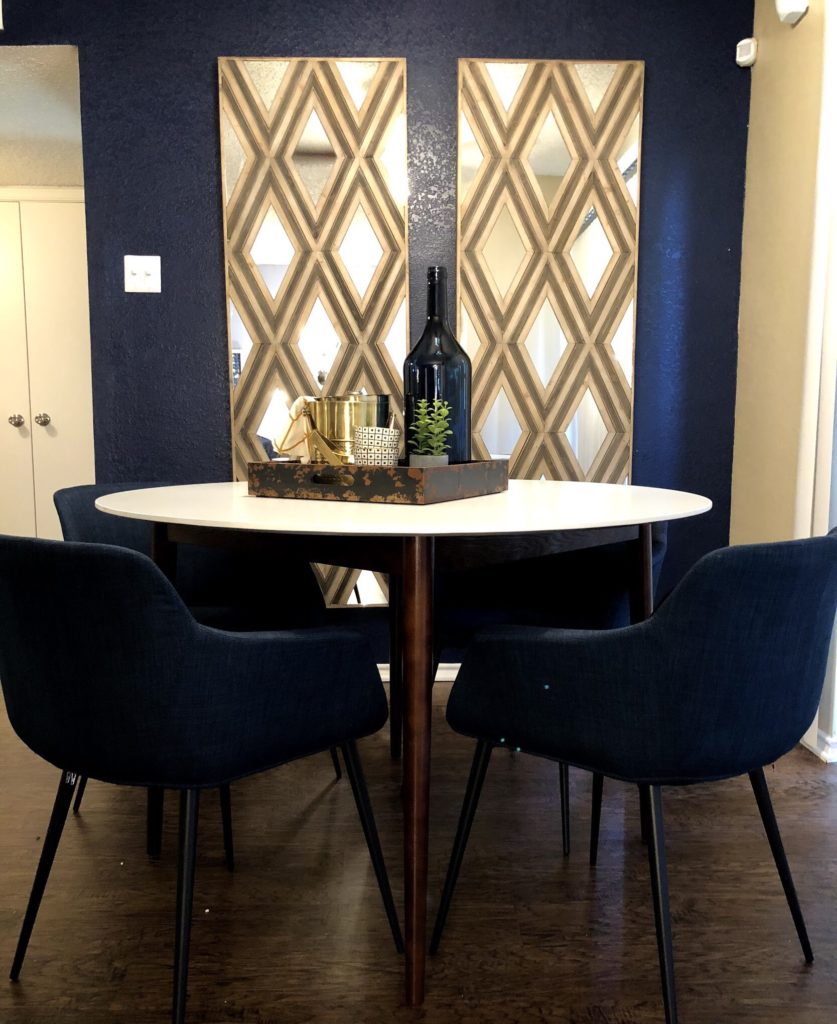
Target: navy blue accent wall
x,y
151,153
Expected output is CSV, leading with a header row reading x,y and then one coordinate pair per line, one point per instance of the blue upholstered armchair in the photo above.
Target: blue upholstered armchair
x,y
722,680
106,674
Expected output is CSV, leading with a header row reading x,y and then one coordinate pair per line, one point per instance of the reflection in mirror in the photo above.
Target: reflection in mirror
x,y
274,420
470,155
623,344
587,431
627,158
241,344
506,78
361,251
547,261
357,76
504,251
549,158
591,252
319,343
546,342
596,79
267,77
501,430
272,251
314,157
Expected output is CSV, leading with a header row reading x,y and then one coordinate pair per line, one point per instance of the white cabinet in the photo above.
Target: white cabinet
x,y
46,408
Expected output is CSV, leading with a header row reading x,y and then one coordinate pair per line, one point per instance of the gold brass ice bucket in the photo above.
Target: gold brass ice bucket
x,y
336,417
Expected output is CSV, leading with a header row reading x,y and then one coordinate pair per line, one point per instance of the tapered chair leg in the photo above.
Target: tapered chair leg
x,y
187,844
81,785
226,823
154,822
60,809
335,760
479,766
370,832
596,817
759,784
651,801
564,785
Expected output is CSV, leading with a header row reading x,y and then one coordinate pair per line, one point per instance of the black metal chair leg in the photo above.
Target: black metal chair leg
x,y
564,785
479,766
367,820
81,785
652,799
596,817
759,784
335,760
226,823
60,809
154,822
187,843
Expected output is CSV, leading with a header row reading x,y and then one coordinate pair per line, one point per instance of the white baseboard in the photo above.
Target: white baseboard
x,y
824,746
446,673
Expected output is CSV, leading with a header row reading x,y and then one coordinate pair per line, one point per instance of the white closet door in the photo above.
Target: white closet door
x,y
58,330
17,499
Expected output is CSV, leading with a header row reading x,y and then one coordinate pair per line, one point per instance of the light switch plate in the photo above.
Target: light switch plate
x,y
142,274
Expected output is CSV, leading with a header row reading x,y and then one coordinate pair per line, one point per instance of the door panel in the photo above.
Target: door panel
x,y
17,499
58,326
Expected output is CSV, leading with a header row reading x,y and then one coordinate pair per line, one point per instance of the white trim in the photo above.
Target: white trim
x,y
824,746
41,194
446,673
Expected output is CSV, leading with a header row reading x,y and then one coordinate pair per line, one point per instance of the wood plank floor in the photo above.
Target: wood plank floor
x,y
297,934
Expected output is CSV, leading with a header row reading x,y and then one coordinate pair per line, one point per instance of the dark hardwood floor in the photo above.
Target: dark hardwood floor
x,y
298,933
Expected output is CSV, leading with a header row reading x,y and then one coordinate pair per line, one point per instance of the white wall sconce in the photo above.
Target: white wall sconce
x,y
791,11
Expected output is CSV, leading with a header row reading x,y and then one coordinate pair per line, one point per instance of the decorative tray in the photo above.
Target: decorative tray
x,y
394,485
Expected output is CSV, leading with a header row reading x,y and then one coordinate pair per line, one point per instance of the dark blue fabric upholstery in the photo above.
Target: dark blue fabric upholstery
x,y
724,678
228,589
585,586
106,673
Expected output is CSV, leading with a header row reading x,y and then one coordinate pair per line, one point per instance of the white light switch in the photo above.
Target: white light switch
x,y
142,274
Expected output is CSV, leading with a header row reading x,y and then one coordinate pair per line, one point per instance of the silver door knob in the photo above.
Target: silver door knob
x,y
17,420
43,419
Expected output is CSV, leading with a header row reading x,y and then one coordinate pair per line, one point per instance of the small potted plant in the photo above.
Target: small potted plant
x,y
430,431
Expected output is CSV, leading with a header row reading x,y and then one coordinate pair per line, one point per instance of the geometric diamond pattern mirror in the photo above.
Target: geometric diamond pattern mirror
x,y
548,217
314,173
314,167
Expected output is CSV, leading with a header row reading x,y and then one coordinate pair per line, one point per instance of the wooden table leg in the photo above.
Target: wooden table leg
x,y
642,587
417,654
163,551
642,605
396,681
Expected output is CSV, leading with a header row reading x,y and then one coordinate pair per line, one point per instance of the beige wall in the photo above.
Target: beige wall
x,y
776,272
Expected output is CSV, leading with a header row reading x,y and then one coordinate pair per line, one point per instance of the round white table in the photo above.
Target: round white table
x,y
401,539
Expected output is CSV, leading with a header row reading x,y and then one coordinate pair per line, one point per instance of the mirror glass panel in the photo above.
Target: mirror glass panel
x,y
314,168
548,231
314,157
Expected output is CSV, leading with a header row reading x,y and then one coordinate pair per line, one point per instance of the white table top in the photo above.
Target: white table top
x,y
529,506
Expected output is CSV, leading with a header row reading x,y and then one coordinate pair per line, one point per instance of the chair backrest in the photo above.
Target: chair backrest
x,y
106,673
743,643
250,590
94,641
82,521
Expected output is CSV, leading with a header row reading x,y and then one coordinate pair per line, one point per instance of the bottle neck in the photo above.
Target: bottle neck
x,y
437,301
